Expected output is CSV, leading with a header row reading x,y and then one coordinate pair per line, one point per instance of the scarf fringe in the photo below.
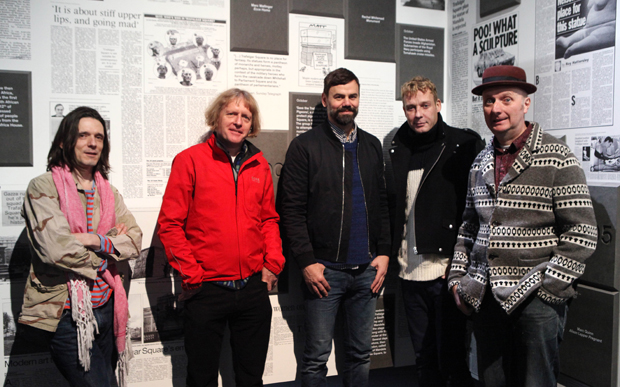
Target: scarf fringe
x,y
82,314
122,366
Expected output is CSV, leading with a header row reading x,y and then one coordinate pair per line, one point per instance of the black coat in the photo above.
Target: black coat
x,y
441,195
316,181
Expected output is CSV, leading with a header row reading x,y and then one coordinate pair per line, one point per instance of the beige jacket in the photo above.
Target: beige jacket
x,y
56,253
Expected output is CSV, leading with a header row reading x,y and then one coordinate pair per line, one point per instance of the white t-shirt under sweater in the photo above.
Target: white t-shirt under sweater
x,y
414,266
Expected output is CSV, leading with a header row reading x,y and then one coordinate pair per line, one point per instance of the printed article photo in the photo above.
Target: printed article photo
x,y
606,154
584,26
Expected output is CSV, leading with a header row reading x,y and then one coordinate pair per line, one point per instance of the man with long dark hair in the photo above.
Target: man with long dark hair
x,y
78,226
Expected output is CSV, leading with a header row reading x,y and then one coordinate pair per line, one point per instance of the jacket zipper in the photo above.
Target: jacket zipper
x,y
415,247
237,206
364,195
342,204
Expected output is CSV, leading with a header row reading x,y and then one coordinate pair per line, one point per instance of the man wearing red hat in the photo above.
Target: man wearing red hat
x,y
528,227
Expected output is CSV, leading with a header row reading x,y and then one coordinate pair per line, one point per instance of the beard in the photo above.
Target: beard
x,y
346,119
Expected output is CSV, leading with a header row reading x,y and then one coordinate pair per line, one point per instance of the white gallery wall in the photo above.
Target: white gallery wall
x,y
127,60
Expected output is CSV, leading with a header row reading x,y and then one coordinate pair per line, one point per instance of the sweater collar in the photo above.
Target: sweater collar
x,y
420,140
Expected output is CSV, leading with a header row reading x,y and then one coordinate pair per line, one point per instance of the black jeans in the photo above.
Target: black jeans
x,y
438,334
248,314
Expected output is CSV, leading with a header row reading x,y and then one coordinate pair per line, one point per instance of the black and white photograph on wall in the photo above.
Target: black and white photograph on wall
x,y
495,42
15,118
68,107
9,327
184,52
428,4
489,7
606,154
328,8
369,30
317,52
585,153
419,51
151,264
134,324
584,26
162,320
60,109
259,26
14,255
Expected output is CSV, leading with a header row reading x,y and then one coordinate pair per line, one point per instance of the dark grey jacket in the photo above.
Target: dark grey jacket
x,y
440,201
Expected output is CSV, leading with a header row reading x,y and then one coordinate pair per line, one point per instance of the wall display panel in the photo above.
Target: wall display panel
x,y
15,118
307,111
376,112
495,42
575,64
381,355
419,51
273,144
329,8
369,30
259,26
477,44
603,267
589,351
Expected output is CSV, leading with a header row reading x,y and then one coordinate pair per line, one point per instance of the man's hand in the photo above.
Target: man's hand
x,y
381,264
315,281
460,304
187,294
90,241
269,278
446,274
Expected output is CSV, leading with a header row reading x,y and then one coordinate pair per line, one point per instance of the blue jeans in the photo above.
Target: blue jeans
x,y
438,333
103,355
520,349
351,289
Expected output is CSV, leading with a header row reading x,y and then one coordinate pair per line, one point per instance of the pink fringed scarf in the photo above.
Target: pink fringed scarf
x,y
81,307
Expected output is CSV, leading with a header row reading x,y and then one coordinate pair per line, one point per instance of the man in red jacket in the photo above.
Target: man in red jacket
x,y
219,228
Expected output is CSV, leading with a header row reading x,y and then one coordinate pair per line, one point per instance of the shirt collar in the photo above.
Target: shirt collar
x,y
342,136
242,152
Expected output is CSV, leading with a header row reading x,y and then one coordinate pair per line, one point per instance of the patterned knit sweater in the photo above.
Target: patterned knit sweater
x,y
532,234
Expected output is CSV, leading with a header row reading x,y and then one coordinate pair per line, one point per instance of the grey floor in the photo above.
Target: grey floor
x,y
388,377
401,376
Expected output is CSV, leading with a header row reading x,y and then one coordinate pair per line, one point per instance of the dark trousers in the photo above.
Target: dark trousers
x,y
520,349
248,314
438,333
103,355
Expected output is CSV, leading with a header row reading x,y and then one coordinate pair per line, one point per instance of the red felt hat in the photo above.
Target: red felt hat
x,y
504,76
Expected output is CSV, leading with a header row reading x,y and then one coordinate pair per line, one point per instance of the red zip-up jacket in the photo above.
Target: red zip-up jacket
x,y
213,229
